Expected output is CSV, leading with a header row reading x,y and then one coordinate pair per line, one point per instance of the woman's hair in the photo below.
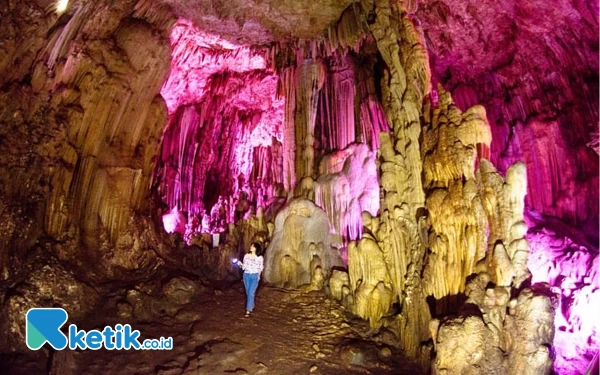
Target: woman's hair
x,y
259,250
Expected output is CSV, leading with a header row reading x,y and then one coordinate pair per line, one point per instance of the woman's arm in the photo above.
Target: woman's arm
x,y
243,263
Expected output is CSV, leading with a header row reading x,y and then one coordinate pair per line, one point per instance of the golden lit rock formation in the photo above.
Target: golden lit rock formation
x,y
146,144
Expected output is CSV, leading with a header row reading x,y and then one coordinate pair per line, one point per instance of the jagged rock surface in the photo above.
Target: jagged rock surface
x,y
478,228
301,235
81,120
560,256
257,22
534,67
459,226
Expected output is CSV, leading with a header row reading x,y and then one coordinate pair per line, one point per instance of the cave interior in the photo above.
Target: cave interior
x,y
422,175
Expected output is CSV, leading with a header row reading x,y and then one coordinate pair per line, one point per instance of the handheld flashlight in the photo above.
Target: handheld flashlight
x,y
234,261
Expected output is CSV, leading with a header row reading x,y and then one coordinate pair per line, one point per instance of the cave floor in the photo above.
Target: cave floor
x,y
290,332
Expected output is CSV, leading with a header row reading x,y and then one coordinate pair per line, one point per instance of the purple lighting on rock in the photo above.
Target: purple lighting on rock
x,y
174,221
225,127
572,270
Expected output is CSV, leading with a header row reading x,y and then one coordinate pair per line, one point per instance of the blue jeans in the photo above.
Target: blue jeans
x,y
250,283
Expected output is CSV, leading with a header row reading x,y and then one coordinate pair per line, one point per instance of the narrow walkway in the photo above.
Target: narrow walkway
x,y
290,332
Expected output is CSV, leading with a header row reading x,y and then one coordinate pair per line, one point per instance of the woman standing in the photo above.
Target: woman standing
x,y
253,265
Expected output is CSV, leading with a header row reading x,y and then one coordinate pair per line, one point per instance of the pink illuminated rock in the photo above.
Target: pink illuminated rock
x,y
223,106
562,257
174,221
534,66
347,187
196,56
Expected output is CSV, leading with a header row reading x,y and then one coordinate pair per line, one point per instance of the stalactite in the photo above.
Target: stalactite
x,y
450,146
349,33
288,86
59,44
122,119
372,116
337,106
266,173
347,187
310,76
207,153
160,15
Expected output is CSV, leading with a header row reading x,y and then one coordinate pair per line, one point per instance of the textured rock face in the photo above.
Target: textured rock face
x,y
301,236
96,155
484,211
347,187
460,347
405,82
474,344
257,22
559,257
534,66
47,284
531,327
219,153
81,120
180,290
459,225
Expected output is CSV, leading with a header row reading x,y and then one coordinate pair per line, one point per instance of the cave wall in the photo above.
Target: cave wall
x,y
534,67
81,124
91,166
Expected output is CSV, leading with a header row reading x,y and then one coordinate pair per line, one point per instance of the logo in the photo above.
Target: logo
x,y
44,324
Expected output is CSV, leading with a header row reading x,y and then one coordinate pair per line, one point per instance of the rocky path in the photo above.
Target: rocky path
x,y
290,332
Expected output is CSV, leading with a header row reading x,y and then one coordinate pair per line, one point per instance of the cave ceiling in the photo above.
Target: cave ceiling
x,y
260,21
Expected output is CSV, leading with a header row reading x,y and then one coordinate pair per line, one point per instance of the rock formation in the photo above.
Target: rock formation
x,y
385,152
301,243
526,64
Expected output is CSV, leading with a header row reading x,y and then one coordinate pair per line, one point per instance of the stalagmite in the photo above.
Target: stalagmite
x,y
503,203
458,234
404,85
477,228
370,280
301,233
221,127
531,327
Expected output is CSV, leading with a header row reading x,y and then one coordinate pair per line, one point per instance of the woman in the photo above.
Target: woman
x,y
252,264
